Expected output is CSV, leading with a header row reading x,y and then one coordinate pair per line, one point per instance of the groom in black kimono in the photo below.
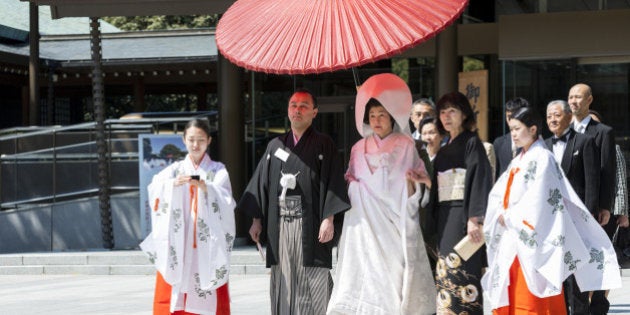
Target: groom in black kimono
x,y
298,194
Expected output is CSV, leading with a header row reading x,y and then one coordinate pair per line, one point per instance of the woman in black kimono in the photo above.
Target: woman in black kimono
x,y
462,179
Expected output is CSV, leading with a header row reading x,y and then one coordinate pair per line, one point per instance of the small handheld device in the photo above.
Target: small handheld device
x,y
195,177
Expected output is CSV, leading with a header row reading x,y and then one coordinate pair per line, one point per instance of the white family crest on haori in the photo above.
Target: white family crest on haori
x,y
287,181
548,228
192,233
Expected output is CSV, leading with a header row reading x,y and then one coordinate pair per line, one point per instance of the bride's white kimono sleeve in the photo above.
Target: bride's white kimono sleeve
x,y
192,232
548,228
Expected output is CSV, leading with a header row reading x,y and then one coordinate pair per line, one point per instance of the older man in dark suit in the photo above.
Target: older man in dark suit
x,y
504,149
580,100
578,157
575,153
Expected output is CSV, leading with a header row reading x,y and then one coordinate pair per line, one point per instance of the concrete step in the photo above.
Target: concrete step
x,y
78,270
75,258
245,260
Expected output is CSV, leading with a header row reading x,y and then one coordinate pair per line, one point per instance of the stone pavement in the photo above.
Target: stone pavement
x,y
133,295
49,283
110,294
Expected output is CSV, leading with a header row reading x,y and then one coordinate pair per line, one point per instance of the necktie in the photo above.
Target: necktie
x,y
580,128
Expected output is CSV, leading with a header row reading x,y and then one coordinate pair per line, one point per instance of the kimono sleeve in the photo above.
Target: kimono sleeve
x,y
222,187
163,244
478,180
333,192
255,197
351,172
223,202
160,192
430,218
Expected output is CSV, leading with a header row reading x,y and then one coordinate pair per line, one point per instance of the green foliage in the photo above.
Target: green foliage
x,y
171,151
117,105
400,67
171,102
426,61
162,22
472,64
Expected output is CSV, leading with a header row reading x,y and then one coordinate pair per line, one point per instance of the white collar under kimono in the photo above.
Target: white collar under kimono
x,y
548,228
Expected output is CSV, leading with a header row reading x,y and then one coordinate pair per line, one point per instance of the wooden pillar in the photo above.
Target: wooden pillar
x,y
50,97
25,105
447,61
202,98
231,133
33,66
139,102
98,97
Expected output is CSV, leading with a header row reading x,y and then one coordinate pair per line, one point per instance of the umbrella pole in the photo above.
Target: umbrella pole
x,y
355,76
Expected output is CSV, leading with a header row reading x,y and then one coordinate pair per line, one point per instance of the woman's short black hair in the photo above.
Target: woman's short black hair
x,y
459,101
529,117
374,103
516,104
202,124
430,120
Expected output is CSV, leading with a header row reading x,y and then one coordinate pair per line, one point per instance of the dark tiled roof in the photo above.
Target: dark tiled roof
x,y
15,49
14,22
66,41
132,48
175,44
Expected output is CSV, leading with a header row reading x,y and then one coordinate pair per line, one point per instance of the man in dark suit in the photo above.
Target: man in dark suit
x,y
580,99
577,155
504,149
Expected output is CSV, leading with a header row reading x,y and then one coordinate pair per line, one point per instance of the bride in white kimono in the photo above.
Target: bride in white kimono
x,y
192,230
383,267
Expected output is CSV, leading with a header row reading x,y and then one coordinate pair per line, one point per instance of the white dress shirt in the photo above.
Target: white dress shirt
x,y
560,146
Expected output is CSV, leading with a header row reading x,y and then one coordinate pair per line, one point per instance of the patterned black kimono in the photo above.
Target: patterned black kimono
x,y
458,281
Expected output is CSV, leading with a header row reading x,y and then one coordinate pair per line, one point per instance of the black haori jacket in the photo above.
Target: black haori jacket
x,y
320,183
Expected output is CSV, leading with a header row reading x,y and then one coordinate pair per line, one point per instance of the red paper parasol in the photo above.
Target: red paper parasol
x,y
314,36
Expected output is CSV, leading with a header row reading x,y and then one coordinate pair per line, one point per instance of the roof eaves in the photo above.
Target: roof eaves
x,y
137,62
135,34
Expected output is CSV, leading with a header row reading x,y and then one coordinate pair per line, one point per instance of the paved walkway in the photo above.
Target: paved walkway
x,y
109,295
132,295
